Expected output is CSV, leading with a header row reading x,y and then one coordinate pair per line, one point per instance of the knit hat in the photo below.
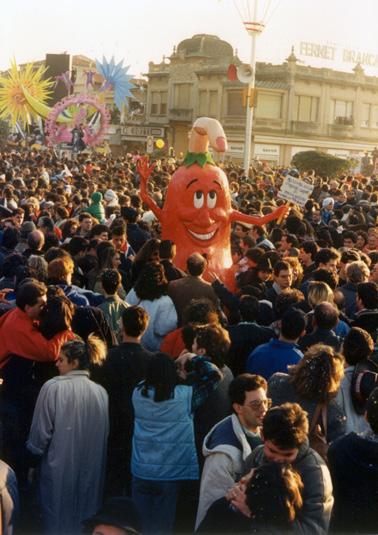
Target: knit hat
x,y
110,195
327,201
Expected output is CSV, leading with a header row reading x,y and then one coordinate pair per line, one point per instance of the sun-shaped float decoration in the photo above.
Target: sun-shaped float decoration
x,y
13,103
85,110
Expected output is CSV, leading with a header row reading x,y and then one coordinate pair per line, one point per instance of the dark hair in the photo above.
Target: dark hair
x,y
196,264
84,215
281,266
66,228
29,292
118,230
214,340
358,345
372,411
46,222
147,250
287,299
76,245
246,382
325,255
293,323
11,237
98,229
51,240
248,308
134,321
166,249
368,293
326,316
310,247
273,256
273,495
323,275
160,375
349,234
255,254
57,315
152,283
318,375
11,263
93,351
286,426
111,280
290,238
105,251
200,311
349,256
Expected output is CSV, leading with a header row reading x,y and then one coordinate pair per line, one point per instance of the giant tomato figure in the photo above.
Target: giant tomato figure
x,y
197,213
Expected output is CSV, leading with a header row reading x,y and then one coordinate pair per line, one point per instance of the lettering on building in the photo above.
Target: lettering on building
x,y
336,53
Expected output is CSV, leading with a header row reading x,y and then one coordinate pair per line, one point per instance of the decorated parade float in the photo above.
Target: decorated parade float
x,y
81,120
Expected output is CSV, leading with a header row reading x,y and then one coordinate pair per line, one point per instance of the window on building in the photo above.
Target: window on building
x,y
374,117
235,103
342,112
202,102
182,96
163,102
365,115
158,102
306,108
269,105
213,103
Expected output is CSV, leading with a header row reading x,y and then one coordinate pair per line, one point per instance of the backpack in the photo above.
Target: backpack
x,y
317,434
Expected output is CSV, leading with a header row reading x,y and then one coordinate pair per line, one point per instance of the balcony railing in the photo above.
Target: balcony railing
x,y
180,114
304,127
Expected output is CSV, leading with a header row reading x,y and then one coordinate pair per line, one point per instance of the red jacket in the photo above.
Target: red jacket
x,y
173,343
19,336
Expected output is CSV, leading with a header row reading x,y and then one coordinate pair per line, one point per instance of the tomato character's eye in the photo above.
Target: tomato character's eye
x,y
211,199
198,199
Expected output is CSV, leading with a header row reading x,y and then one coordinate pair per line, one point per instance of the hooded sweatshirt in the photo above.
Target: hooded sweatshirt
x,y
96,208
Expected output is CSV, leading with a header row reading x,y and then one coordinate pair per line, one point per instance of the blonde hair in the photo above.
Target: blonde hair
x,y
319,292
93,351
318,375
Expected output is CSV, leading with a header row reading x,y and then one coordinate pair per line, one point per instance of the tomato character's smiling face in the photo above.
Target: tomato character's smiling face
x,y
198,207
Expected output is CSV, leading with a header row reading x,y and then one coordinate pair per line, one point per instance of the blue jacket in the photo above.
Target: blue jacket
x,y
163,440
273,357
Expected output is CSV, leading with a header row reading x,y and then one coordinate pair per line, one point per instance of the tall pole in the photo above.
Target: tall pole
x,y
254,29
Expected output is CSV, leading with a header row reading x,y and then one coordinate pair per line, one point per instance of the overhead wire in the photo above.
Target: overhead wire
x,y
272,13
238,10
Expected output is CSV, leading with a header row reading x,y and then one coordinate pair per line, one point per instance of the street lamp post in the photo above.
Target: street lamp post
x,y
253,28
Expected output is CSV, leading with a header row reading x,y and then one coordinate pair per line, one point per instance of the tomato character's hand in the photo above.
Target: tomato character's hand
x,y
212,276
143,169
281,212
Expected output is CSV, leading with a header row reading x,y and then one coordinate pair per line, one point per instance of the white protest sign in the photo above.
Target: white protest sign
x,y
295,190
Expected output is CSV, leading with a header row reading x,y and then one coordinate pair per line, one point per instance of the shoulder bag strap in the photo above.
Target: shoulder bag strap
x,y
315,417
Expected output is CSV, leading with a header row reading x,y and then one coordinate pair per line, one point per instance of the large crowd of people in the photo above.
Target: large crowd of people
x,y
140,397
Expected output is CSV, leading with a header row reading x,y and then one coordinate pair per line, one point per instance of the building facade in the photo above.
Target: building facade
x,y
296,107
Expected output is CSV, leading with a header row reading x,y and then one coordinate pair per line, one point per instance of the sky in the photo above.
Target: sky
x,y
140,31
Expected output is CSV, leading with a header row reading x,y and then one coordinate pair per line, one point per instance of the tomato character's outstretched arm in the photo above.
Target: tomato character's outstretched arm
x,y
144,170
279,213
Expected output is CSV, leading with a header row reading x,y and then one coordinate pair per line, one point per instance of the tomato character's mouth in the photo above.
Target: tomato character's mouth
x,y
203,237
